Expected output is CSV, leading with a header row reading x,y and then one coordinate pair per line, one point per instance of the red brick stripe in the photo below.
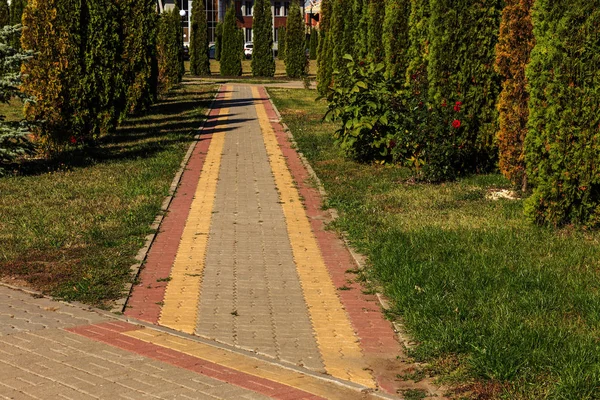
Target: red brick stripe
x,y
145,302
377,338
111,335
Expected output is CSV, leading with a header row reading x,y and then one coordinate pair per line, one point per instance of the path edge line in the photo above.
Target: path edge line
x,y
360,259
120,305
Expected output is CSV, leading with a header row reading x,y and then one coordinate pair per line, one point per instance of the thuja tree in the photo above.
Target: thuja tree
x,y
14,137
295,57
281,43
168,50
325,51
52,30
395,37
199,59
417,54
463,38
139,31
218,40
361,28
375,17
341,34
16,14
102,78
512,56
231,62
4,13
562,146
263,62
313,44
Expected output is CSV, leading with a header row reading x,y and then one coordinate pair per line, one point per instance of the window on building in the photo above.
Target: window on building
x,y
248,5
286,8
277,9
248,34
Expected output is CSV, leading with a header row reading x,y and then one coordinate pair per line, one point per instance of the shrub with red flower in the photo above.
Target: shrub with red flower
x,y
73,140
456,124
457,106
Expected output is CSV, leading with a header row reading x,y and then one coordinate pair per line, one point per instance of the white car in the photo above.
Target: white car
x,y
248,46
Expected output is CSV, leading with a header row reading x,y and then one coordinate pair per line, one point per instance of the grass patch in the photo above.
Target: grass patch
x,y
71,226
279,68
472,280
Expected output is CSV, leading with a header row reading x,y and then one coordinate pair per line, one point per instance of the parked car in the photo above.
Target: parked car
x,y
211,51
248,47
186,53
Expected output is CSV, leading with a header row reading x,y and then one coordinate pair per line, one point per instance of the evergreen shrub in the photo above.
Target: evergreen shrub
x,y
4,13
199,57
296,62
281,44
395,37
462,42
168,49
512,56
231,62
417,54
263,62
325,50
562,146
313,44
361,28
218,40
375,18
16,18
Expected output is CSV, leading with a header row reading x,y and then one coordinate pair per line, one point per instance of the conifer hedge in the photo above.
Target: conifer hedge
x,y
314,43
199,57
325,50
463,37
512,56
168,49
281,44
295,58
361,32
263,62
375,17
395,37
562,146
231,62
417,53
16,15
4,13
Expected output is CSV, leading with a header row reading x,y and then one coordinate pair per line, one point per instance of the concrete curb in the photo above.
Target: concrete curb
x,y
120,305
358,258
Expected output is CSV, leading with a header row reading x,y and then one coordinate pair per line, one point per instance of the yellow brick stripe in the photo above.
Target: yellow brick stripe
x,y
335,336
182,294
248,365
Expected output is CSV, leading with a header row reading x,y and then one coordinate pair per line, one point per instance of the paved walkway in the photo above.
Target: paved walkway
x,y
238,299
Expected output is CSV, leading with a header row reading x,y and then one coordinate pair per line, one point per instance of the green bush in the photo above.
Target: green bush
x,y
4,13
395,37
52,29
16,18
562,145
263,62
199,57
313,44
325,50
375,17
281,44
463,37
168,50
140,72
512,56
14,137
296,62
231,63
218,40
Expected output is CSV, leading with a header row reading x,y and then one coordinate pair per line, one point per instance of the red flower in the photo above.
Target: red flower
x,y
72,140
457,108
458,103
456,124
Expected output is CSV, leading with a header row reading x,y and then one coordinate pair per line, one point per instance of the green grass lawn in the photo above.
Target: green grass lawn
x,y
72,226
500,308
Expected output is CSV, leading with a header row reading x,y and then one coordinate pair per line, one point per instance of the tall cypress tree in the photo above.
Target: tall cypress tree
x,y
263,63
218,40
418,47
295,57
512,56
361,32
16,14
169,50
314,42
281,44
341,33
231,62
52,29
4,13
325,51
395,37
376,15
199,59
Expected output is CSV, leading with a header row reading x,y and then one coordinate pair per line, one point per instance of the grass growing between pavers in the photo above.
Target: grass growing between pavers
x,y
72,226
500,308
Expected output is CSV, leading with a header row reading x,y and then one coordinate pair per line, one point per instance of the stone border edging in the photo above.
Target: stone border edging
x,y
358,258
120,305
